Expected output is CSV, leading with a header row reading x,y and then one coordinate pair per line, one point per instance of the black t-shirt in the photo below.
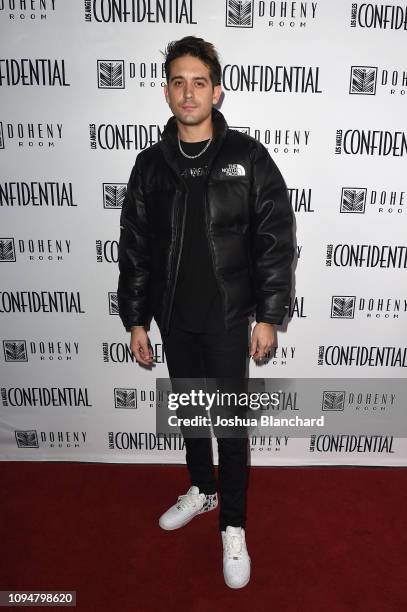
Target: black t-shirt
x,y
197,301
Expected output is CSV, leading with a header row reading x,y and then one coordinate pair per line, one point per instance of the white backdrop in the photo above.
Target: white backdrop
x,y
81,95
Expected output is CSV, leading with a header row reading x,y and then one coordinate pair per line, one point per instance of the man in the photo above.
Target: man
x,y
206,240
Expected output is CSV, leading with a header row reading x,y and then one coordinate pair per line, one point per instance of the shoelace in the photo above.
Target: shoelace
x,y
187,500
234,545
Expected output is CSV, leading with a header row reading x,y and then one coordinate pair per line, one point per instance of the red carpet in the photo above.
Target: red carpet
x,y
321,539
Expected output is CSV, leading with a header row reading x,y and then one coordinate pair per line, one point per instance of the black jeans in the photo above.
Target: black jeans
x,y
214,355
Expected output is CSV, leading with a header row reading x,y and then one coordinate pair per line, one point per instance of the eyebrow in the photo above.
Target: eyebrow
x,y
199,78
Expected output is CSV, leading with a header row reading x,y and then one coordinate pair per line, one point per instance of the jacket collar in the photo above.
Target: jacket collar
x,y
169,144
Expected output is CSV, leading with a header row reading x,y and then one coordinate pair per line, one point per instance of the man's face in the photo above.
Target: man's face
x,y
189,92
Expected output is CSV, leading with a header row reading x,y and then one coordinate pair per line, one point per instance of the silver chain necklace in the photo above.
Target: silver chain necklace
x,y
193,156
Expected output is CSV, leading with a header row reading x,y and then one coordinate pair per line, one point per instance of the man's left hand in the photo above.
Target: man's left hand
x,y
262,340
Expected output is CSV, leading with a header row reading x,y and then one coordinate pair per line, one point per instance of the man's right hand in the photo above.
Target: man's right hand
x,y
140,346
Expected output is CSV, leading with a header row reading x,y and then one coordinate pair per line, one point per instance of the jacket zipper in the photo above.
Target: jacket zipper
x,y
174,275
221,289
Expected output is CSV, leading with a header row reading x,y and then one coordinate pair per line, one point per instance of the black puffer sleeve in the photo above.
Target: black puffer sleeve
x,y
272,238
133,294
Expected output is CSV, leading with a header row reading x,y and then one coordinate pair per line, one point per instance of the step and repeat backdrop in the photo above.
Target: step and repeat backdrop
x,y
323,86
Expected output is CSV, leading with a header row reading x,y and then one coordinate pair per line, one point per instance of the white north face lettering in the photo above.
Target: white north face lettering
x,y
234,170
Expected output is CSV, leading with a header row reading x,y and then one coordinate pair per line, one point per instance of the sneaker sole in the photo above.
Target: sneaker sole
x,y
188,520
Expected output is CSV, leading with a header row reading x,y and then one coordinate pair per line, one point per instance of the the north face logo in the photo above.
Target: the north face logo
x,y
234,170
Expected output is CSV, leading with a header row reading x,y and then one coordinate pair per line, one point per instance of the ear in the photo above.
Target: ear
x,y
166,93
217,90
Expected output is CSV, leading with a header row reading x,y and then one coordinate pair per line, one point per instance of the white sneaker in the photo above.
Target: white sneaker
x,y
236,561
187,506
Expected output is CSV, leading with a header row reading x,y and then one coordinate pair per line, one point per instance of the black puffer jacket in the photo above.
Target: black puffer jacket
x,y
249,222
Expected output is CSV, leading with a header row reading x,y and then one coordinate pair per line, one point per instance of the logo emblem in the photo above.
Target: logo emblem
x,y
333,400
239,13
353,200
233,170
7,252
125,398
113,303
111,74
113,194
15,350
27,439
343,307
363,80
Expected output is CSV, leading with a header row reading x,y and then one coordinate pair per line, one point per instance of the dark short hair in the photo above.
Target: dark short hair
x,y
197,47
